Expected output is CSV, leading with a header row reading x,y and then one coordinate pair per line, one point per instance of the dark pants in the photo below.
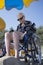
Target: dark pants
x,y
25,39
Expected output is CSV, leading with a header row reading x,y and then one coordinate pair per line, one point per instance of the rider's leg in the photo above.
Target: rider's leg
x,y
25,39
8,37
16,37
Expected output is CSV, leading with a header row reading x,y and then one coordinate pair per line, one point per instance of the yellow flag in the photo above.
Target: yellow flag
x,y
2,4
2,24
28,2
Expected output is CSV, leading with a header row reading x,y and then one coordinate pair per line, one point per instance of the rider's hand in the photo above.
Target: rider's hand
x,y
23,34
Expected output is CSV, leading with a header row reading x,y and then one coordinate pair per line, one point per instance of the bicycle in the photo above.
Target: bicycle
x,y
35,52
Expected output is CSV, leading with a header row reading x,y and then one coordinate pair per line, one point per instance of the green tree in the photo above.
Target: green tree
x,y
40,32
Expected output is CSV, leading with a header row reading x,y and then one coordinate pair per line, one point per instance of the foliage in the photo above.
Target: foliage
x,y
40,32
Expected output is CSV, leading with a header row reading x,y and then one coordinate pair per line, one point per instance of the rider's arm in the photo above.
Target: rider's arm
x,y
27,26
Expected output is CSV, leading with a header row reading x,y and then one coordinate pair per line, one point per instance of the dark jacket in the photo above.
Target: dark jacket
x,y
27,27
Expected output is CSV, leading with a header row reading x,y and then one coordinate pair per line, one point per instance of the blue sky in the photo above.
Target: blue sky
x,y
33,13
